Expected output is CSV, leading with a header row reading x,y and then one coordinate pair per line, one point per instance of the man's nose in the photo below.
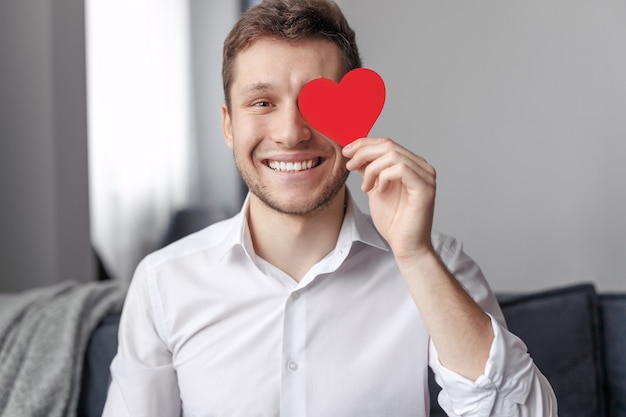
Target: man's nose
x,y
291,128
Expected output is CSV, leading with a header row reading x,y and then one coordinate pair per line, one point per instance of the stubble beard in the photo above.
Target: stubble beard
x,y
296,208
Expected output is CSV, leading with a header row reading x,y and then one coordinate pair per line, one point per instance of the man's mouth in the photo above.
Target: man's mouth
x,y
294,166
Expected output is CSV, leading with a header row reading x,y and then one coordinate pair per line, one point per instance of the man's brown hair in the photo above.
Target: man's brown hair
x,y
290,20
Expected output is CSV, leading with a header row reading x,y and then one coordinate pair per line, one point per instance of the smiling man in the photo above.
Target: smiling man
x,y
301,305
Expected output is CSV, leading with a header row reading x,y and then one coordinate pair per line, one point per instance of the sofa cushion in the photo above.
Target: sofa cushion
x,y
561,330
613,308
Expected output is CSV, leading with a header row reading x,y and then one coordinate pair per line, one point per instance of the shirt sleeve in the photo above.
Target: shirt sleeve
x,y
511,384
143,380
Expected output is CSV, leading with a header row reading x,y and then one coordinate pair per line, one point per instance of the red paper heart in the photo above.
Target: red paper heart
x,y
346,111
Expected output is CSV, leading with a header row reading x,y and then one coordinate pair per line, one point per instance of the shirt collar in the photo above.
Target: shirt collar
x,y
357,227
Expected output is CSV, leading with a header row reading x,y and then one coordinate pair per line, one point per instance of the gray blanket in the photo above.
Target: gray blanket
x,y
43,336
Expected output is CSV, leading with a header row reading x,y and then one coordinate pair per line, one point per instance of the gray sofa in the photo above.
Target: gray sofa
x,y
576,336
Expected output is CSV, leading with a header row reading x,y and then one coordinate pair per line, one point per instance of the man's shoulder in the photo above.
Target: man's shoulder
x,y
213,240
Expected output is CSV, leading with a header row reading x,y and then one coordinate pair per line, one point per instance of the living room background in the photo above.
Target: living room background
x,y
520,107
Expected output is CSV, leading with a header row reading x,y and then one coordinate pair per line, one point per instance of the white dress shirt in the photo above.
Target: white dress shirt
x,y
209,329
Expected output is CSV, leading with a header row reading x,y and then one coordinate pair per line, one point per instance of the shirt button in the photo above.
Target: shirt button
x,y
295,295
293,366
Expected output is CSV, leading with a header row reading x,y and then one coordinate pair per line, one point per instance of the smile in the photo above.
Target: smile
x,y
293,166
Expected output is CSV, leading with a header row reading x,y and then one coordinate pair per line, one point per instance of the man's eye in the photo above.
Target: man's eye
x,y
261,103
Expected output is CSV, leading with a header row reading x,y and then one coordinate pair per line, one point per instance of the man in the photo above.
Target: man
x,y
301,305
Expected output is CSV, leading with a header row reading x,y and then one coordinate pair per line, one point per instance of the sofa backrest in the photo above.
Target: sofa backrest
x,y
562,329
100,351
613,314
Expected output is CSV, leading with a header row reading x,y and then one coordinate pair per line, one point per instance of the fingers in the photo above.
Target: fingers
x,y
382,161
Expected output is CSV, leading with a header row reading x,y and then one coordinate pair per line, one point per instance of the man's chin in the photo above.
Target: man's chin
x,y
299,205
300,208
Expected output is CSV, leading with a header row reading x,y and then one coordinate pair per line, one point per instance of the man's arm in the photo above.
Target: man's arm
x,y
458,327
401,188
511,383
143,380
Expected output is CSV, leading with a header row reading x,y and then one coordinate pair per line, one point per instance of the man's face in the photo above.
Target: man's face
x,y
286,164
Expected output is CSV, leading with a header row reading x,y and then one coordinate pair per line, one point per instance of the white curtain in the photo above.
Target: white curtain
x,y
140,127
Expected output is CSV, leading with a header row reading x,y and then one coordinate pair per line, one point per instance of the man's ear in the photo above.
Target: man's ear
x,y
227,126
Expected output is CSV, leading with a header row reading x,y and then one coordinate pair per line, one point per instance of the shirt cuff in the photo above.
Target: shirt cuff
x,y
505,383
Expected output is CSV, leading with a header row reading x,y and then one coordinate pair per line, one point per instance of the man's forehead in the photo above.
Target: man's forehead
x,y
255,55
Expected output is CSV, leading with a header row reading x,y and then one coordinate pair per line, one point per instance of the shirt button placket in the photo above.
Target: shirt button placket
x,y
293,375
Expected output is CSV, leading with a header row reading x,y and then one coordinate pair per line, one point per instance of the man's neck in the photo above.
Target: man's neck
x,y
295,243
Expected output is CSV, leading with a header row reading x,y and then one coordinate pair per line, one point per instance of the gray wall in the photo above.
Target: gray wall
x,y
44,224
521,107
217,182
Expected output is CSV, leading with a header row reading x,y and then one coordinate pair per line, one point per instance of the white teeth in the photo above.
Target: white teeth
x,y
292,166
